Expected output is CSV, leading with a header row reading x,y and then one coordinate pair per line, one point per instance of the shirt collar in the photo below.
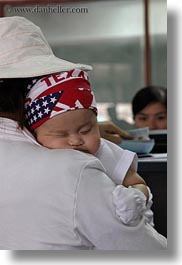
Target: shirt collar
x,y
10,130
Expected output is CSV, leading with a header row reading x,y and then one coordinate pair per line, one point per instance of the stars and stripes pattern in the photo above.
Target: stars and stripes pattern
x,y
57,93
39,110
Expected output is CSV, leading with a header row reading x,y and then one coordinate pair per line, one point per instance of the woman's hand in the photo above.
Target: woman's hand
x,y
109,131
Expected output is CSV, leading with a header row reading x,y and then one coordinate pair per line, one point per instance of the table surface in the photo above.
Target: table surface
x,y
153,158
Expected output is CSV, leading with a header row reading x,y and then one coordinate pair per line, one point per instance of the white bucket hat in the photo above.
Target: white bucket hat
x,y
24,51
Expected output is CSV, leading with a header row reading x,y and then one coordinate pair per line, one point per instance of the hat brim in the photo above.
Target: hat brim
x,y
39,66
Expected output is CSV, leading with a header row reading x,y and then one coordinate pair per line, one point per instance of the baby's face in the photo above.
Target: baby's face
x,y
77,129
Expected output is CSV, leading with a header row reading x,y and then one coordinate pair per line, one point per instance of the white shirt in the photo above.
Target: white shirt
x,y
60,199
116,161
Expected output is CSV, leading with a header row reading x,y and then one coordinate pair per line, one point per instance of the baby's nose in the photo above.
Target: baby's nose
x,y
75,141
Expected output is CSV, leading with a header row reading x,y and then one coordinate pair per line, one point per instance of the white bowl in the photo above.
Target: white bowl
x,y
138,146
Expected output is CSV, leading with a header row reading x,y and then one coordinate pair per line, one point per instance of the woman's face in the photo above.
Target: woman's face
x,y
77,129
153,116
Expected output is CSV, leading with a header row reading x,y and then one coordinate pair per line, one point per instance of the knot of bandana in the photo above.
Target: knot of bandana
x,y
58,93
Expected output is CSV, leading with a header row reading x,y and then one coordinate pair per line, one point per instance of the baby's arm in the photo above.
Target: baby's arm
x,y
131,194
133,179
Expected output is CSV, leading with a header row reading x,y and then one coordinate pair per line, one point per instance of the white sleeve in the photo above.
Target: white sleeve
x,y
131,205
116,161
96,221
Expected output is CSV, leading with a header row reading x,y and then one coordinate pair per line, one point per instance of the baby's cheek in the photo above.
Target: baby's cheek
x,y
95,146
50,143
58,144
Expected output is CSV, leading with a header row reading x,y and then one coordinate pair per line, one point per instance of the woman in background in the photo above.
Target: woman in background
x,y
149,107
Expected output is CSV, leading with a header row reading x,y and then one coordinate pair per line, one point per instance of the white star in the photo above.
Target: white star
x,y
38,107
47,110
34,117
40,114
53,99
45,103
32,111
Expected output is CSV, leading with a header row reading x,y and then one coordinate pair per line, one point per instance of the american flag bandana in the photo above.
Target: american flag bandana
x,y
58,93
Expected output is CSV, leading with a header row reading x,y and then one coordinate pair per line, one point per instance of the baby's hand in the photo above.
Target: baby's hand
x,y
131,205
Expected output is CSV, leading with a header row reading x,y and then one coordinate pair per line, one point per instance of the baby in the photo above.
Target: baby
x,y
61,112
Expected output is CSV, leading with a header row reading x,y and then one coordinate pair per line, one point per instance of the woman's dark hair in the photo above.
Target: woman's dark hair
x,y
12,97
147,95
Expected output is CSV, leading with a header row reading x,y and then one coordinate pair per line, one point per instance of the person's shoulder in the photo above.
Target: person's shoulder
x,y
59,154
65,159
71,155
